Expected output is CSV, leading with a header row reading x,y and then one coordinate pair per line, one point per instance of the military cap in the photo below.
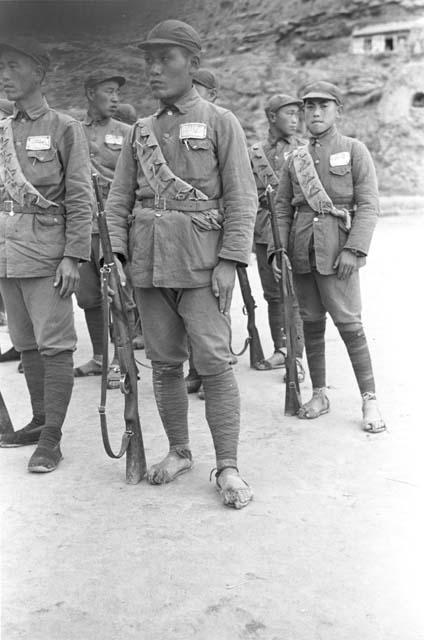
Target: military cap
x,y
206,78
322,90
103,75
279,100
173,32
28,47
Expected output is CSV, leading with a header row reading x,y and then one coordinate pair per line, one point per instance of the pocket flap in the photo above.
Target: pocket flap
x,y
42,155
341,170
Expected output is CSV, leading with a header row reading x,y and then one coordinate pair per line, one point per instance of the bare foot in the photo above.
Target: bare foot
x,y
372,420
316,406
173,465
234,490
91,368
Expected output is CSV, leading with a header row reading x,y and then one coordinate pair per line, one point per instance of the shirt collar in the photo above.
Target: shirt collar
x,y
324,137
33,112
273,139
88,120
182,105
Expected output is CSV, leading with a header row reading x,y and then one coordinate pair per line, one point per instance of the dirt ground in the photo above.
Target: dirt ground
x,y
330,549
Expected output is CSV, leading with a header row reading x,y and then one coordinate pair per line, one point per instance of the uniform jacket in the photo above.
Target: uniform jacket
x,y
105,139
165,248
276,150
347,173
33,244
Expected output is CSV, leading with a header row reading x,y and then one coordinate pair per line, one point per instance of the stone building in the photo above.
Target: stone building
x,y
391,37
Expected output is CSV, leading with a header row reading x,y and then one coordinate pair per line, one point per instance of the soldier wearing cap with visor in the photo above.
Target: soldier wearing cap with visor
x,y
174,171
267,158
105,137
46,207
206,85
327,207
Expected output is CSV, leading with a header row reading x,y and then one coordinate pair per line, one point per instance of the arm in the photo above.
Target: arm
x,y
365,190
121,197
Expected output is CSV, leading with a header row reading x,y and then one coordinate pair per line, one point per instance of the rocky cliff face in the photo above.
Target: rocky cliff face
x,y
256,48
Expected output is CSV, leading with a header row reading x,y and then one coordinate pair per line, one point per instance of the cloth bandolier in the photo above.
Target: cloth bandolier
x,y
327,207
105,137
174,171
267,159
45,225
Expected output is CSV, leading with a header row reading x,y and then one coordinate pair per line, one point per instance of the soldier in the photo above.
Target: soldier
x,y
327,207
282,112
105,136
175,169
45,224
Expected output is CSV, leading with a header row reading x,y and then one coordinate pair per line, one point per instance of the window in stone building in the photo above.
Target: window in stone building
x,y
418,99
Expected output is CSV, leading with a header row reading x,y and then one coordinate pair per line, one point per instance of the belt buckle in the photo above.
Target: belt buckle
x,y
8,207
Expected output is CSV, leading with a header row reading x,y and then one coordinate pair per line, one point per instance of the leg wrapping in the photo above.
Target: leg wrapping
x,y
94,319
172,401
58,384
34,375
314,333
222,405
357,348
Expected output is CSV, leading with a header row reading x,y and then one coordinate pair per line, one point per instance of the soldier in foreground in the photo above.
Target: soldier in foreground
x,y
105,137
175,169
327,207
45,227
282,112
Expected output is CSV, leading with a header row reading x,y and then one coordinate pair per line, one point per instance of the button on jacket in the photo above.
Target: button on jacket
x,y
346,170
164,246
275,150
33,244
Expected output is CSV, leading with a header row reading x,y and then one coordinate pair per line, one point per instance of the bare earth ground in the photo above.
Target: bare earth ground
x,y
331,548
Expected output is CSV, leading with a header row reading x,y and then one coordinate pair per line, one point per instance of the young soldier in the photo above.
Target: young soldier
x,y
282,112
105,136
327,207
45,226
175,169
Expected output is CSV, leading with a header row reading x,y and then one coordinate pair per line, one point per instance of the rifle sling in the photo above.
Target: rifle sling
x,y
105,271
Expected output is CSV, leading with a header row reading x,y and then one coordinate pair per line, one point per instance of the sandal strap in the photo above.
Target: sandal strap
x,y
218,473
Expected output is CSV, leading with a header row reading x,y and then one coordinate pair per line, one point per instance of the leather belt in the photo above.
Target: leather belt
x,y
180,205
10,207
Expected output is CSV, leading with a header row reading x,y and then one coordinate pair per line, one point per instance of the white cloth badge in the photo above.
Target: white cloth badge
x,y
340,159
195,130
38,143
112,139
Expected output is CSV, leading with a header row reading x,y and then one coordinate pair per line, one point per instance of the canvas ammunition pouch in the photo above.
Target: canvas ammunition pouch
x,y
171,192
312,188
23,195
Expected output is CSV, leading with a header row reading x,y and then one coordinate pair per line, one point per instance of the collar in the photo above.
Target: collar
x,y
31,112
324,137
88,120
182,105
273,139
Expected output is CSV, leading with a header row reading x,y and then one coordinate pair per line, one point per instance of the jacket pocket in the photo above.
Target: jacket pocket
x,y
341,185
340,171
46,166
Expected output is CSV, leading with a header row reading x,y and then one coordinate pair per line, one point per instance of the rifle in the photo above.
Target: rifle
x,y
132,440
293,400
253,340
6,425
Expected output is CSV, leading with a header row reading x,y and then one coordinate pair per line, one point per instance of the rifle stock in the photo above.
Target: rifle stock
x,y
255,348
293,400
132,440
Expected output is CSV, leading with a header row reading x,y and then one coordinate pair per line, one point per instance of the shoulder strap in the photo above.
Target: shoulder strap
x,y
163,182
11,175
262,166
312,188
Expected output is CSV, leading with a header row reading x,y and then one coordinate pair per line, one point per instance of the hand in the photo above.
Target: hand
x,y
346,262
276,269
223,278
121,275
67,277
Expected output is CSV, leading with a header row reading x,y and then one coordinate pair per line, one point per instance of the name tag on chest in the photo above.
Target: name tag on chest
x,y
38,143
195,130
110,138
340,159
